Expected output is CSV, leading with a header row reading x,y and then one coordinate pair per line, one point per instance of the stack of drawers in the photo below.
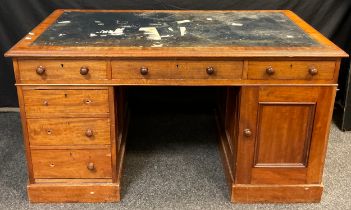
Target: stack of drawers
x,y
70,129
55,123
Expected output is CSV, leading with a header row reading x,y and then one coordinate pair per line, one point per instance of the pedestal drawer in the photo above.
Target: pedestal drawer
x,y
44,70
39,103
323,70
69,131
94,163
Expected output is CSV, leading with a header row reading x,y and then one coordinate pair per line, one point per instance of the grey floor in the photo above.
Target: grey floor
x,y
170,164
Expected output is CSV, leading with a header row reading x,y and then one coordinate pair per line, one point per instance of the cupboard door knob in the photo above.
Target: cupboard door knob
x,y
313,71
89,132
247,132
40,70
270,70
84,70
91,166
144,70
45,103
210,70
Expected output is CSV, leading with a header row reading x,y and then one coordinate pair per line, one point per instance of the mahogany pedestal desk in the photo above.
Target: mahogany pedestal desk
x,y
274,116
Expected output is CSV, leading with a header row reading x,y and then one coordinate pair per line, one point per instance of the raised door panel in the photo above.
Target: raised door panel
x,y
283,134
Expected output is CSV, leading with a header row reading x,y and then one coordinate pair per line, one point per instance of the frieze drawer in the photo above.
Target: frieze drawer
x,y
42,70
140,69
310,70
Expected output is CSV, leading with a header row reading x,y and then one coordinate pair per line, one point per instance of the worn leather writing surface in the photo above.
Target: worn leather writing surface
x,y
170,29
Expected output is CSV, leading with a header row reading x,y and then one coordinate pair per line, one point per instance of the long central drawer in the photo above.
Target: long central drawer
x,y
161,69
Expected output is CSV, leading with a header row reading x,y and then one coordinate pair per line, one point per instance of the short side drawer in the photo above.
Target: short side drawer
x,y
69,131
39,103
64,164
305,70
45,70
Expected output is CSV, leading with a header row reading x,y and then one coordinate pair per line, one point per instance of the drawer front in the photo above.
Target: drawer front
x,y
208,70
323,70
132,69
94,163
68,131
176,69
61,102
43,70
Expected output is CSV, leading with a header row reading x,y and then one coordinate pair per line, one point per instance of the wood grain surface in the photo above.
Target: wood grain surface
x,y
68,131
55,164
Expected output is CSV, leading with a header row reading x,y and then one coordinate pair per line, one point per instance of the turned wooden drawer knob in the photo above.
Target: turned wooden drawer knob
x,y
89,132
313,71
247,132
91,166
84,70
144,70
40,70
270,70
45,103
210,70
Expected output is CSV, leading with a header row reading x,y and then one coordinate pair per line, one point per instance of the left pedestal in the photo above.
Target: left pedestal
x,y
74,147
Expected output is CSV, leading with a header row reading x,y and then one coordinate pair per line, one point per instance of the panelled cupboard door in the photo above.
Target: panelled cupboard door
x,y
284,132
